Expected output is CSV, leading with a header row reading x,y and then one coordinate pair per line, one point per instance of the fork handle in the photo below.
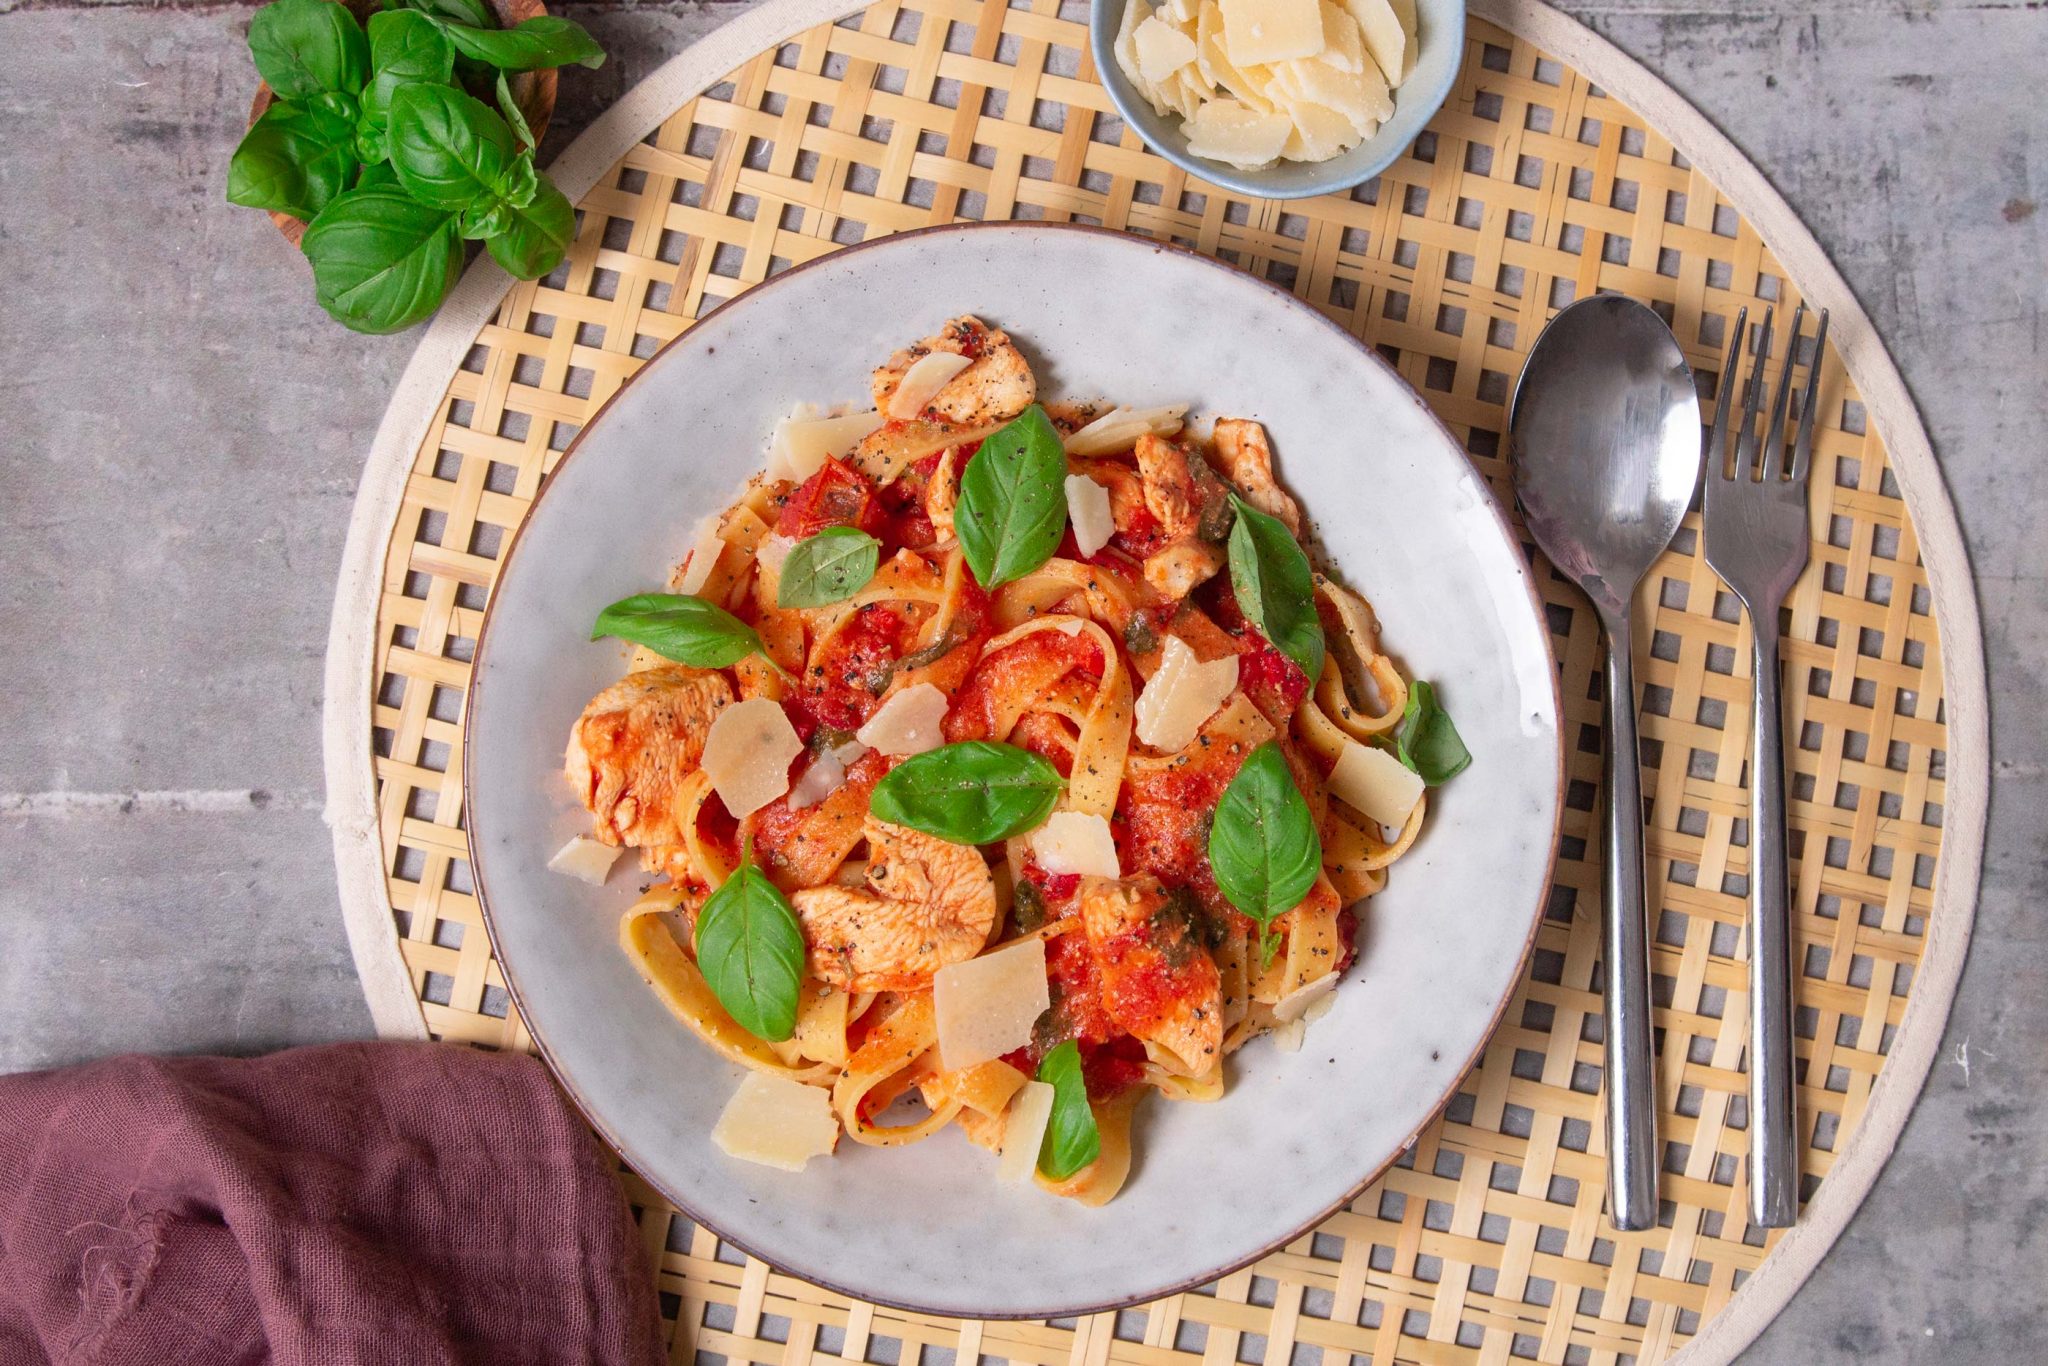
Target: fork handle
x,y
1631,1090
1773,1103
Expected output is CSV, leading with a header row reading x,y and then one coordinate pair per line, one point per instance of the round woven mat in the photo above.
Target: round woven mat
x,y
1534,186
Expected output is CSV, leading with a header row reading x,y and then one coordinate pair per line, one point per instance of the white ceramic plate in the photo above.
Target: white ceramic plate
x,y
1407,521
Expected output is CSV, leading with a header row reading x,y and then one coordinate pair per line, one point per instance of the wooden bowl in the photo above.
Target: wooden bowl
x,y
533,90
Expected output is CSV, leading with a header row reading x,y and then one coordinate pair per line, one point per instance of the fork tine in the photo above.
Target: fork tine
x,y
1772,452
1752,404
1802,447
1717,440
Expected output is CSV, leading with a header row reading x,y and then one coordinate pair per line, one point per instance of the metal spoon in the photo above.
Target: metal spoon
x,y
1605,439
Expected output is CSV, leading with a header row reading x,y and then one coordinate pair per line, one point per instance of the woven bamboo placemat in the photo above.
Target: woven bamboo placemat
x,y
1554,170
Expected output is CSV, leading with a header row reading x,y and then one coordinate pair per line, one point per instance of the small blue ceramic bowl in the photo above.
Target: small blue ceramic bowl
x,y
1440,40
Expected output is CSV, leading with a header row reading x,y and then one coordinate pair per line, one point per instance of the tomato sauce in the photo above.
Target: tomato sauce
x,y
904,522
837,495
1023,668
844,687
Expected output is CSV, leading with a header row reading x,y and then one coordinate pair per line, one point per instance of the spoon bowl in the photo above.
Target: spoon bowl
x,y
1604,435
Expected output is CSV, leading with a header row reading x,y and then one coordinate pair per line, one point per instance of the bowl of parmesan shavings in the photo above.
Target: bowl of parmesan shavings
x,y
1280,99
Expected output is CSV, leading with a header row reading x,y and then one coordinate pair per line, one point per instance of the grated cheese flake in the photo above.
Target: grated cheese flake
x,y
773,551
1162,49
1088,514
1075,842
1184,693
986,1006
825,776
705,548
922,382
1260,31
1119,429
801,444
777,1122
908,723
585,859
747,754
1024,1131
1295,1003
1375,784
1228,131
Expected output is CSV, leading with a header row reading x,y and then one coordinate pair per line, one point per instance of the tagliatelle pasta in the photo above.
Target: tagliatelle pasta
x,y
1153,973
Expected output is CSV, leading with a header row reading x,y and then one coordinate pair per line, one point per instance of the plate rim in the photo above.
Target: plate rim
x,y
1235,1262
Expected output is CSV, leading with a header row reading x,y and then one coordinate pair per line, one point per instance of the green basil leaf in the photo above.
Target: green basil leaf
x,y
515,117
1263,845
1275,588
829,567
405,47
1426,740
1072,1139
303,47
974,792
531,240
381,260
377,173
750,949
448,148
293,160
688,630
540,42
475,13
520,185
1013,500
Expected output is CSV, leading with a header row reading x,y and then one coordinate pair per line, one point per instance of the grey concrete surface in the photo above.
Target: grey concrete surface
x,y
183,431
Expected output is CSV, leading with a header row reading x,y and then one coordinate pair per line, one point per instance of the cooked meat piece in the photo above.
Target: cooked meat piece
x,y
995,387
1158,982
1248,463
635,744
928,902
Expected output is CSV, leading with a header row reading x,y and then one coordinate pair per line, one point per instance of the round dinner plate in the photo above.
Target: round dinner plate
x,y
1400,515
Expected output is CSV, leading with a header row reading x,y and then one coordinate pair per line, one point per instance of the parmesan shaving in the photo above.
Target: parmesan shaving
x,y
777,1122
1252,81
802,444
1088,514
1375,784
825,776
773,551
704,551
922,382
585,859
747,753
850,753
1295,1003
1024,1131
908,723
1119,429
1184,693
1075,842
986,1006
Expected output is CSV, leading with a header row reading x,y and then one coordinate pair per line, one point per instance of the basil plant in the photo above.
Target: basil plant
x,y
379,141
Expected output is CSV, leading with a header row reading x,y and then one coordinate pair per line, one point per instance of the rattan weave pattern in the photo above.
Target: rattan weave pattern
x,y
1532,188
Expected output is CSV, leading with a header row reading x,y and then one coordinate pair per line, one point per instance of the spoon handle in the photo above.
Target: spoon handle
x,y
1631,1089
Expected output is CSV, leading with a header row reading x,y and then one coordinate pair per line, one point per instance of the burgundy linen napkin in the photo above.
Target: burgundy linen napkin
x,y
348,1203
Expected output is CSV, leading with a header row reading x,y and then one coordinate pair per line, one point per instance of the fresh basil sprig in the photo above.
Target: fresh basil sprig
x,y
1426,741
305,47
1274,586
373,141
1013,500
750,949
544,41
381,259
1072,1139
296,159
1263,844
405,47
688,630
828,567
973,792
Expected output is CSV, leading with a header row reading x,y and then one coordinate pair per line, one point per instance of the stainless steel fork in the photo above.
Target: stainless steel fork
x,y
1756,536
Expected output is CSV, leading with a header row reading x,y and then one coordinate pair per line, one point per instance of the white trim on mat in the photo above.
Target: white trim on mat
x,y
351,651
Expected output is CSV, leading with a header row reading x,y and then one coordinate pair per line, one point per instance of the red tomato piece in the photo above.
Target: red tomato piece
x,y
837,495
